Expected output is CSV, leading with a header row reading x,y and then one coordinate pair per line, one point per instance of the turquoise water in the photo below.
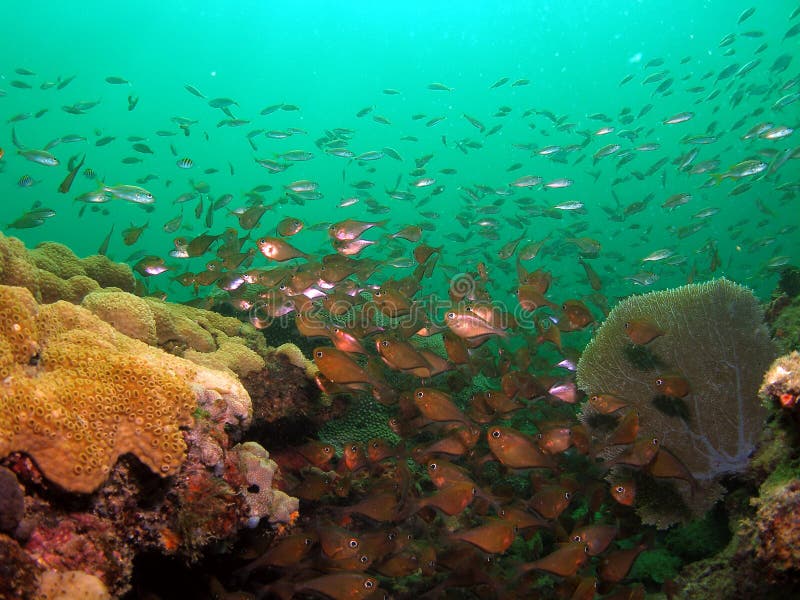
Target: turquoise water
x,y
331,60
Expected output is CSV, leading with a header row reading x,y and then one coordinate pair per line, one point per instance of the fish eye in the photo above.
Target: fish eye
x,y
318,354
384,343
308,541
659,382
353,543
576,538
488,394
567,495
369,584
586,549
433,466
619,489
474,491
261,241
282,287
327,449
391,536
451,315
654,441
627,325
364,559
420,394
353,448
495,433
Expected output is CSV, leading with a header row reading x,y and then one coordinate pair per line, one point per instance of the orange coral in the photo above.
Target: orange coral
x,y
89,396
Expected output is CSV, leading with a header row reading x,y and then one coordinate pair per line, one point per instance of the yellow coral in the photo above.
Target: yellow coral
x,y
296,357
56,258
178,332
68,585
94,395
125,312
107,273
231,354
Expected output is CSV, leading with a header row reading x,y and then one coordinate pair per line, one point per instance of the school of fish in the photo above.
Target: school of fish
x,y
462,330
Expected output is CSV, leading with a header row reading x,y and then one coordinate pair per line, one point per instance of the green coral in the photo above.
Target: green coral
x,y
657,565
700,538
365,419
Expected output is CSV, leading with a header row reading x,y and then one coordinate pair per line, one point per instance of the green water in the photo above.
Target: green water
x,y
333,59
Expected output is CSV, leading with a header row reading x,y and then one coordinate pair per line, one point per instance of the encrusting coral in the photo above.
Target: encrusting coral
x,y
713,350
76,394
52,271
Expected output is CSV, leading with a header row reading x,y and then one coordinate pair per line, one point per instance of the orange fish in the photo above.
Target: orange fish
x,y
596,537
675,386
350,229
666,464
624,492
346,341
550,501
591,275
616,565
341,586
317,453
354,457
469,326
606,404
338,367
585,590
451,500
521,518
401,356
530,298
337,542
411,233
284,552
640,454
626,430
381,507
555,440
423,252
565,562
276,249
577,315
289,226
516,450
443,473
642,331
436,405
493,537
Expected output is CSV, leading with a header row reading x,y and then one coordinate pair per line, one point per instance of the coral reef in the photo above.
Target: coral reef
x,y
67,585
145,437
12,502
283,388
91,396
782,383
52,271
712,355
262,500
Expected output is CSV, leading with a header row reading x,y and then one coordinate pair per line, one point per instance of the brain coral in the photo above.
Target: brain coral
x,y
715,339
76,394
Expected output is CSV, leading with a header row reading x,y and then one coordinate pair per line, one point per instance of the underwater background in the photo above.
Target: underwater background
x,y
332,60
520,174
